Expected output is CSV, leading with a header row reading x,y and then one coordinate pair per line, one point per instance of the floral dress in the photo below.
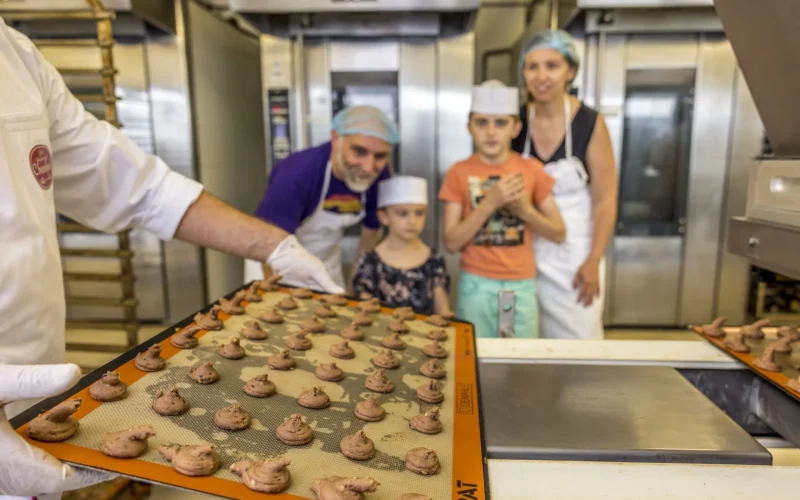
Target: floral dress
x,y
402,287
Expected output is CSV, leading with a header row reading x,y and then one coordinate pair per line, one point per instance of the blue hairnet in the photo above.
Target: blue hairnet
x,y
559,40
366,120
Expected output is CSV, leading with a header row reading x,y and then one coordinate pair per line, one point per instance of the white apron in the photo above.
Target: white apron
x,y
321,234
560,314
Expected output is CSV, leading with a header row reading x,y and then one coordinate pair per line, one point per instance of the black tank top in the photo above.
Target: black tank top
x,y
582,129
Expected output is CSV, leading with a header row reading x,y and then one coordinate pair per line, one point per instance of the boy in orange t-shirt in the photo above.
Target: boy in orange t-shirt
x,y
494,201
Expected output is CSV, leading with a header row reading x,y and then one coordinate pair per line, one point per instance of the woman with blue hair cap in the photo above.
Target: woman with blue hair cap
x,y
317,193
572,141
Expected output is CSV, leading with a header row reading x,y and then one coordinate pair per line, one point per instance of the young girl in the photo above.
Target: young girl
x,y
402,270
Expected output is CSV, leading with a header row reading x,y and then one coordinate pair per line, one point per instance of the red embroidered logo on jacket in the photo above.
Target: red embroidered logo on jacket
x,y
42,165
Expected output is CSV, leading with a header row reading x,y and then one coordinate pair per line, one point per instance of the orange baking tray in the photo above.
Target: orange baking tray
x,y
464,466
789,363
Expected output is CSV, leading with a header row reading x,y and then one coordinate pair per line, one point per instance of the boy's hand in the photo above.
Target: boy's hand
x,y
505,191
521,206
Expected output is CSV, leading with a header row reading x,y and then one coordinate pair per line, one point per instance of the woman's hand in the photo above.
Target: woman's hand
x,y
587,282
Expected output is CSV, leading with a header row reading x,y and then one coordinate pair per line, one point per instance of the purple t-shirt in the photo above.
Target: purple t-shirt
x,y
295,187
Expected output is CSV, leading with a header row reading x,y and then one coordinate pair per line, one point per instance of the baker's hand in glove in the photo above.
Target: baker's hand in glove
x,y
26,470
299,268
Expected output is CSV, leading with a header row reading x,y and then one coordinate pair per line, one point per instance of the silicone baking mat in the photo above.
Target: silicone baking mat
x,y
459,447
789,363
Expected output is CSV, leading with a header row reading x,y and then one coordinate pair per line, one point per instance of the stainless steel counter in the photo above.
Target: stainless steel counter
x,y
608,413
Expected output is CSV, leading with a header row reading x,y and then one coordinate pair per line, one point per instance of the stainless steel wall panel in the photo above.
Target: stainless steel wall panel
x,y
661,51
225,65
361,56
646,278
610,89
167,71
417,96
711,132
317,70
734,272
277,73
454,89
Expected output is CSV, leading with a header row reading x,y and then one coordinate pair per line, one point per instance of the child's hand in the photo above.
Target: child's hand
x,y
505,191
521,207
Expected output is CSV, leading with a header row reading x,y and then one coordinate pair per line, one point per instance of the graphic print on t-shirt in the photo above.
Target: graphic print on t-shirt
x,y
503,228
342,203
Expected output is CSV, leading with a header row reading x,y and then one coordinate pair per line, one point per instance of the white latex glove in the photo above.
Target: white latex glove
x,y
26,470
299,268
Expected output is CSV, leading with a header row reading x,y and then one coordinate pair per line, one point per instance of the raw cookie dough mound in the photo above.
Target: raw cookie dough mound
x,y
253,331
438,334
287,304
767,360
413,496
259,386
440,320
362,319
252,295
57,424
352,332
184,339
198,460
129,443
313,325
325,311
342,351
379,382
265,476
232,418
209,321
435,350
301,293
108,388
784,344
204,374
714,329
150,360
393,341
334,300
342,488
386,359
427,423
231,350
789,331
357,446
735,342
398,326
432,369
170,403
233,306
370,410
314,398
281,361
754,331
329,372
299,341
430,393
422,461
273,317
270,284
404,314
294,431
370,306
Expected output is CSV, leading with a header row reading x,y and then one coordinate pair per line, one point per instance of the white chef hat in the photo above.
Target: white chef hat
x,y
492,97
402,190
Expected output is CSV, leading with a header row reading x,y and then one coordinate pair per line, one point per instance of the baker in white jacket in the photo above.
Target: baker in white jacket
x,y
56,157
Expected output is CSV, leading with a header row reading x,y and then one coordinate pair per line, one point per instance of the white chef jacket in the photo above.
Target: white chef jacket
x,y
56,157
